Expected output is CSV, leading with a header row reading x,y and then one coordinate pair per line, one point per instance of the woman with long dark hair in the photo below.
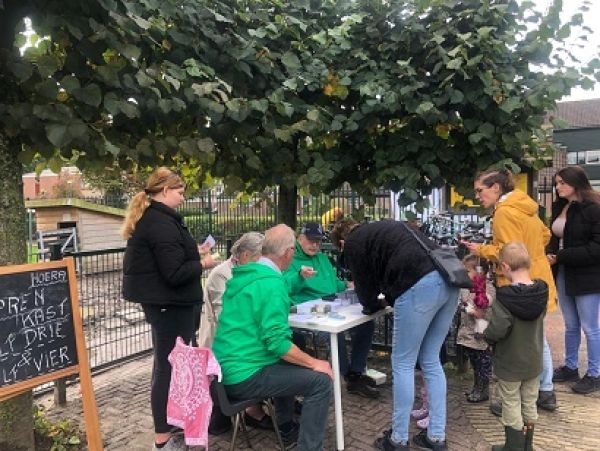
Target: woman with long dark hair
x,y
161,271
574,252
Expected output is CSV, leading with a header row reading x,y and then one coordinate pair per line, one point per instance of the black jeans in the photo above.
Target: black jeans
x,y
282,381
168,323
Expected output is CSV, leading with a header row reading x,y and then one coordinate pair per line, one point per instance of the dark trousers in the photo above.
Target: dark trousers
x,y
168,323
361,339
481,361
282,382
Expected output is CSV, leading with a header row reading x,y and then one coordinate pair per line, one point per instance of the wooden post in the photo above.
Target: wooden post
x,y
60,385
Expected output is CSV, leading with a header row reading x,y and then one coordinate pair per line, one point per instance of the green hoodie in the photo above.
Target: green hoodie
x,y
253,329
323,283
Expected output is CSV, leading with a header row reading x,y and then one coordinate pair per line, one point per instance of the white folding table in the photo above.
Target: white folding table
x,y
352,316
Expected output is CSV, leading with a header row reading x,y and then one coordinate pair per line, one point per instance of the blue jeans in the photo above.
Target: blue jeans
x,y
580,312
422,318
546,383
282,381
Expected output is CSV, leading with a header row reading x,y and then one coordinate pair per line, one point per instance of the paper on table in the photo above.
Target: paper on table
x,y
302,318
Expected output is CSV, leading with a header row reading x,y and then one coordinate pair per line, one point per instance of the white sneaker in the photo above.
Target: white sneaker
x,y
175,443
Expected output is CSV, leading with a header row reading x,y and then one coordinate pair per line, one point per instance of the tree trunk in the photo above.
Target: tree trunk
x,y
286,206
16,420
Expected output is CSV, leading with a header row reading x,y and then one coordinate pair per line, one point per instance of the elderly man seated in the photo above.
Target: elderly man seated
x,y
253,345
311,276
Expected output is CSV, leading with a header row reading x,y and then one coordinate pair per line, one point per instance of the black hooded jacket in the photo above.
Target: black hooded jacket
x,y
516,330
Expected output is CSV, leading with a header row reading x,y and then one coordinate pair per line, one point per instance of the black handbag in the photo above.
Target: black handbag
x,y
446,262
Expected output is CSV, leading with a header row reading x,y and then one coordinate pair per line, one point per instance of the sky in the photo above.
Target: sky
x,y
592,49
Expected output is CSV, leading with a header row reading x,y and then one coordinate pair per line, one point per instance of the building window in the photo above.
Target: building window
x,y
592,157
576,158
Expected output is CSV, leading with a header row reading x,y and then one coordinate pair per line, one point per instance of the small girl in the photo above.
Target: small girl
x,y
475,303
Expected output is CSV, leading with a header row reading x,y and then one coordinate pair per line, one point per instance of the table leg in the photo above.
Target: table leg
x,y
337,392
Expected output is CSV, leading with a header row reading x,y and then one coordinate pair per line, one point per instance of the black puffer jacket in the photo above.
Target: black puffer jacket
x,y
384,257
162,264
580,255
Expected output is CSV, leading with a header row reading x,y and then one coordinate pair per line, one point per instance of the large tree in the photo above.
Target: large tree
x,y
407,94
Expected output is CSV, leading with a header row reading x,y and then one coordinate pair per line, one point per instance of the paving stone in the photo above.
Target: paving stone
x,y
122,396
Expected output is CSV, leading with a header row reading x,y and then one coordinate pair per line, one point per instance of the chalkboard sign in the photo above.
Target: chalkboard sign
x,y
41,335
37,336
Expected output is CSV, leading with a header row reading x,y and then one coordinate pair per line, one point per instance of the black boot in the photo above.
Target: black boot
x,y
481,393
514,440
529,437
547,400
475,387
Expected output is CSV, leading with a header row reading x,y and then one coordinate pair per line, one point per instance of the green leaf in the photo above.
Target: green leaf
x,y
129,109
47,65
141,22
510,104
70,83
47,88
131,52
457,96
454,64
282,134
206,145
290,61
474,138
21,69
111,148
57,134
484,32
486,129
424,107
313,115
291,83
90,95
77,129
261,105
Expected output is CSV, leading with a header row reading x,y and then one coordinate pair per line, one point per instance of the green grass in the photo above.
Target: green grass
x,y
32,253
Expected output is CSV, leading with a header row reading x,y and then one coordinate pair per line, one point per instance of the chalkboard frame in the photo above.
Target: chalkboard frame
x,y
82,368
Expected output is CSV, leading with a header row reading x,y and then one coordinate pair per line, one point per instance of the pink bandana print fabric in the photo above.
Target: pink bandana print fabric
x,y
190,405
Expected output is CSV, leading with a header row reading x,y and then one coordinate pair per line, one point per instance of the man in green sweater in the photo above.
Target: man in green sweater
x,y
311,276
254,348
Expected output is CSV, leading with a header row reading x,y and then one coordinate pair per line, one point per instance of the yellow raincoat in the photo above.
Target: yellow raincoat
x,y
516,219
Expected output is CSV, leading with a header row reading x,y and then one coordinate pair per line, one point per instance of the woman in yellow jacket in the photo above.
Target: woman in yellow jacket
x,y
515,218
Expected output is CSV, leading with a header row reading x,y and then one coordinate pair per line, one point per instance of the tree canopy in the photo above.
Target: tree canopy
x,y
407,95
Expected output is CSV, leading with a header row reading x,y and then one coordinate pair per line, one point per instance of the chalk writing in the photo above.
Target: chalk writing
x,y
36,325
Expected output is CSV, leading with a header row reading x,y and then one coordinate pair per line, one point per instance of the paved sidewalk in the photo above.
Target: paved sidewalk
x,y
123,400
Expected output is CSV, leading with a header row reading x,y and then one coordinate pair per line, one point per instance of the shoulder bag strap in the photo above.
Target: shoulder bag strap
x,y
419,240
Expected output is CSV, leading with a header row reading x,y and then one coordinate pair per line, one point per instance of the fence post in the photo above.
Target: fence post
x,y
60,385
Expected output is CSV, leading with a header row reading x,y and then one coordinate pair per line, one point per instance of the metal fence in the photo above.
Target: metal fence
x,y
115,330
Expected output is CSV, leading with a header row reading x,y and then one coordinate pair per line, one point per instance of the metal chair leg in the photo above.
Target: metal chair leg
x,y
245,429
236,427
273,416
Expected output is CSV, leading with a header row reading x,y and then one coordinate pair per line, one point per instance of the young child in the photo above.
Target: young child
x,y
475,311
516,331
